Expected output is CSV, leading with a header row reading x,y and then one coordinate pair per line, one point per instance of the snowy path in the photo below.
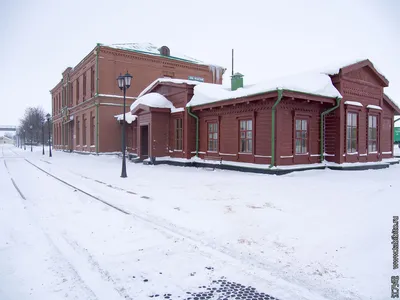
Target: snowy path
x,y
102,253
183,221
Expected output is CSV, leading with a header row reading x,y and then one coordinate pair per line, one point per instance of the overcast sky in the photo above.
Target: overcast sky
x,y
39,39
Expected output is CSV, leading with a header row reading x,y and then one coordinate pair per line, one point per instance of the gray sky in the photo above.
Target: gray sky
x,y
39,39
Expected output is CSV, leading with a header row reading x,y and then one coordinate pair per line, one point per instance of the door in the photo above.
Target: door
x,y
144,141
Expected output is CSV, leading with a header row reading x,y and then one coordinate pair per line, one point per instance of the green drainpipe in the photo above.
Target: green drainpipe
x,y
197,130
322,137
96,95
280,92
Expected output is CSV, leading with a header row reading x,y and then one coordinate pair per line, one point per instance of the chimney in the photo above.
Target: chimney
x,y
236,81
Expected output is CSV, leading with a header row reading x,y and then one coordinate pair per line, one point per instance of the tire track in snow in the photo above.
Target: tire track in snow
x,y
203,246
13,182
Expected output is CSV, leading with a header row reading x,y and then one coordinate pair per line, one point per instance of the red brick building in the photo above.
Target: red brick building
x,y
340,115
87,97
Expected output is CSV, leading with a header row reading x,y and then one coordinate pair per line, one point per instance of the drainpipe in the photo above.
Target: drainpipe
x,y
280,92
197,130
96,95
322,136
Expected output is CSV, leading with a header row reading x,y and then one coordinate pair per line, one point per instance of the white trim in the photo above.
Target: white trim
x,y
354,103
364,154
351,153
262,156
388,152
194,152
289,156
114,96
301,154
315,154
92,146
170,151
374,107
214,152
373,152
178,150
229,154
327,154
246,153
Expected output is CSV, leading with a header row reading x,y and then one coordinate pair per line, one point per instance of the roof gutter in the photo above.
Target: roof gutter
x,y
280,93
322,123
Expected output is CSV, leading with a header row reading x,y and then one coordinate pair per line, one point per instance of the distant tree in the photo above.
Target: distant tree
x,y
32,124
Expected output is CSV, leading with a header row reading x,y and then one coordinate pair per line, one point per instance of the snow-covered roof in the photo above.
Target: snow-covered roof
x,y
169,80
354,103
371,106
151,49
129,118
334,68
155,100
310,83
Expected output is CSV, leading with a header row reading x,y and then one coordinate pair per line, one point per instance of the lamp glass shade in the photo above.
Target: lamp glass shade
x,y
121,81
128,79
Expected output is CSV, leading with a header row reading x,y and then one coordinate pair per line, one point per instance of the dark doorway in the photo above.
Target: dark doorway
x,y
144,141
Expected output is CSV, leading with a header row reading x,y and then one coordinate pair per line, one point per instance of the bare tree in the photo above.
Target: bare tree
x,y
33,124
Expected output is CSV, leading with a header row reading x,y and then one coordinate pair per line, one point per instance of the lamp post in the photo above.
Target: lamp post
x,y
31,128
124,82
43,137
48,124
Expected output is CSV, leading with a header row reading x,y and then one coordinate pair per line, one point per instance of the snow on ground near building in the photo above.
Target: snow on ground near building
x,y
310,83
308,235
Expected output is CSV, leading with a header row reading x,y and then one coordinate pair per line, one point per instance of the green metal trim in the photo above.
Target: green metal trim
x,y
97,128
197,130
280,93
322,136
97,68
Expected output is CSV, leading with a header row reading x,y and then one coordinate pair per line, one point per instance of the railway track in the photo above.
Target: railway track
x,y
203,246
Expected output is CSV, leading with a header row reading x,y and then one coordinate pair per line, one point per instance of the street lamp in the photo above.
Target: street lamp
x,y
124,82
43,137
31,128
48,124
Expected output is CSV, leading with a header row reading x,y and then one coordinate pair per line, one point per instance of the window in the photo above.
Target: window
x,y
92,130
246,136
92,86
301,136
351,132
77,91
372,133
84,86
178,134
84,131
77,132
212,136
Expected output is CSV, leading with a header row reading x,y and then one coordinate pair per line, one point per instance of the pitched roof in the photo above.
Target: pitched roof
x,y
308,83
392,104
152,85
151,49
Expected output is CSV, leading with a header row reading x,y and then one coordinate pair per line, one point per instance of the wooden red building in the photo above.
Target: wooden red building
x,y
340,116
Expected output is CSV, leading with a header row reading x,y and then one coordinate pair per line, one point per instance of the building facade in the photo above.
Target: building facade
x,y
339,116
87,97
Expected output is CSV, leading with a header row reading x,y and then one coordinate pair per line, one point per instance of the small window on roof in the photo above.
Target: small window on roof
x,y
164,50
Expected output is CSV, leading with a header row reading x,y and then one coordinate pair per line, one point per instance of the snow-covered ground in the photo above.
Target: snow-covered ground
x,y
309,235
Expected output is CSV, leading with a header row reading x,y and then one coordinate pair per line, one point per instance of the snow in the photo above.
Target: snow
x,y
151,49
354,103
374,107
310,83
129,118
251,228
334,68
155,100
115,96
168,80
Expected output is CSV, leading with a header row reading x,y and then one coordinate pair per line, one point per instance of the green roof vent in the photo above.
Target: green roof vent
x,y
236,81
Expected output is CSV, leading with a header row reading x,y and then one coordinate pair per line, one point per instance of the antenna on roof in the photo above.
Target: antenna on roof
x,y
232,62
